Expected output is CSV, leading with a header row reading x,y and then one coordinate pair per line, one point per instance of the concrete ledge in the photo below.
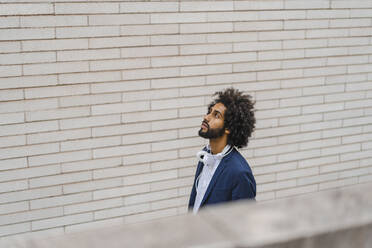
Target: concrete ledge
x,y
337,218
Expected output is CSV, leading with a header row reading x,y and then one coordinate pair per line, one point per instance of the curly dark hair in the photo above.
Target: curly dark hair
x,y
239,115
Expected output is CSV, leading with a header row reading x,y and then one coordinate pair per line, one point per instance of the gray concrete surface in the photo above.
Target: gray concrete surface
x,y
338,218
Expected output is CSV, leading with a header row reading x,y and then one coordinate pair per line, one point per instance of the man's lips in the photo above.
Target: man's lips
x,y
204,124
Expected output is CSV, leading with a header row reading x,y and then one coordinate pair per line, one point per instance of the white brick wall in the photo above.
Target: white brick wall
x,y
100,102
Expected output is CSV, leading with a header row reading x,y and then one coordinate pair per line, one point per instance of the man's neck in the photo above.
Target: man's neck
x,y
217,145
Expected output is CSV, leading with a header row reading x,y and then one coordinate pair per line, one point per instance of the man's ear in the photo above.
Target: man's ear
x,y
227,131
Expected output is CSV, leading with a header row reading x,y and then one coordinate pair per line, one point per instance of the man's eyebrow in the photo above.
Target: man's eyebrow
x,y
215,110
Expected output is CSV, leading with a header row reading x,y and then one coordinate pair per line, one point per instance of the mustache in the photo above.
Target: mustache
x,y
206,123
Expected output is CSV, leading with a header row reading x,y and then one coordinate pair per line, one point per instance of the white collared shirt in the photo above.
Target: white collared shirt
x,y
205,178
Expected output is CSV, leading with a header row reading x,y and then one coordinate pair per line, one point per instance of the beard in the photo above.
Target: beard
x,y
212,133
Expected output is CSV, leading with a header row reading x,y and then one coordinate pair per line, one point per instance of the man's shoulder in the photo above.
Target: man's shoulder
x,y
237,162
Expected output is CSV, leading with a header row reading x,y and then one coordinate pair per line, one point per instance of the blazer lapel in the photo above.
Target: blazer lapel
x,y
216,174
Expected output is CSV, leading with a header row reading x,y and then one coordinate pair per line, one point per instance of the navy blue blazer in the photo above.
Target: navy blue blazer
x,y
232,180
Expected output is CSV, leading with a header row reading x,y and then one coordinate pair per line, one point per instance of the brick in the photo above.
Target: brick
x,y
148,137
54,45
113,20
88,54
339,23
261,170
13,163
282,14
179,102
206,28
339,167
356,138
271,132
206,6
178,39
341,149
258,26
57,136
257,46
61,221
60,201
324,71
356,13
321,161
14,207
148,216
27,105
10,71
278,94
151,7
171,164
150,157
59,158
54,68
121,150
174,144
338,183
276,185
284,121
152,196
53,21
358,104
14,229
26,128
12,141
206,70
302,4
90,164
287,54
27,9
231,37
355,155
258,5
266,151
119,64
93,225
279,112
12,118
149,51
13,186
298,137
121,129
296,191
150,95
281,35
231,58
86,8
323,108
27,34
359,68
320,52
10,47
122,211
93,206
60,179
341,79
310,43
57,114
150,73
177,82
87,32
205,49
95,185
321,125
320,143
90,143
342,132
349,96
326,33
282,74
347,60
357,121
299,173
324,14
23,82
178,18
70,101
149,116
89,77
30,194
150,177
120,86
342,4
256,66
9,22
122,191
29,150
299,155
232,16
175,202
119,42
363,86
150,29
236,78
178,61
327,89
89,121
8,95
120,108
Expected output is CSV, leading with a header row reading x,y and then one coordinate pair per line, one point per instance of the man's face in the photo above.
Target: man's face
x,y
213,123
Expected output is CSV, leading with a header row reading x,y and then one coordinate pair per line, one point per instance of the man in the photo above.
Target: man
x,y
223,174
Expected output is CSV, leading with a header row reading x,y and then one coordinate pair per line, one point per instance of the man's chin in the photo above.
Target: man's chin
x,y
203,134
